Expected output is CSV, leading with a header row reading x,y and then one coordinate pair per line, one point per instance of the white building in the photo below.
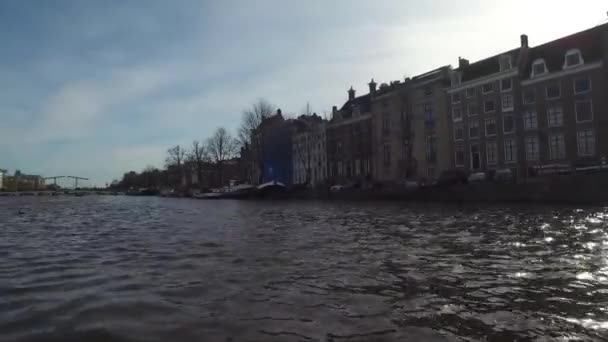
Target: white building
x,y
309,151
2,173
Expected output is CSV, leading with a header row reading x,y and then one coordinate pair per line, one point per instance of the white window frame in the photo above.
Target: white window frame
x,y
523,96
461,125
461,148
454,97
471,156
562,152
559,86
572,52
483,88
503,124
524,117
454,118
506,89
537,154
502,103
549,111
478,130
576,110
486,127
489,111
514,145
469,110
495,161
535,63
582,92
578,143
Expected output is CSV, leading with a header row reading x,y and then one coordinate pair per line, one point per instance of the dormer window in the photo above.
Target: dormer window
x,y
539,68
505,63
573,58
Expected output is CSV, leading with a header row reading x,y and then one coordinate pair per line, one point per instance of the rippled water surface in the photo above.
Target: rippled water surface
x,y
151,269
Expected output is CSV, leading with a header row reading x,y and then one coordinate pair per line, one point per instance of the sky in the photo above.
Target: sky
x,y
99,88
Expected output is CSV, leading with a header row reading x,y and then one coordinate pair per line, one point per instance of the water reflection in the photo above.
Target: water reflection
x,y
138,269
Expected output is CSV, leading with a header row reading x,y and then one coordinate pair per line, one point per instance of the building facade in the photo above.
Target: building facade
x,y
274,153
390,132
429,126
484,109
349,140
563,93
309,151
534,110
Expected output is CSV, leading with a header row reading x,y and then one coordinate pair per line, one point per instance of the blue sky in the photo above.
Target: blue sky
x,y
98,88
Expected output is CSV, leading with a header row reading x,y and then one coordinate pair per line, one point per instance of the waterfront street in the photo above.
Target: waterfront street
x,y
106,268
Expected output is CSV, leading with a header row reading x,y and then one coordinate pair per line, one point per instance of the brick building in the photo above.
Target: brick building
x,y
532,109
349,140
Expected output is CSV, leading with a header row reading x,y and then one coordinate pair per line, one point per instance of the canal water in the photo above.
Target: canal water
x,y
154,269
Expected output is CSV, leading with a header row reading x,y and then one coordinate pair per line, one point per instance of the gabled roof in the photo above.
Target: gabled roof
x,y
488,66
589,42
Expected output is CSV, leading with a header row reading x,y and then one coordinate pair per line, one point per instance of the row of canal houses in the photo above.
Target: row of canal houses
x,y
533,110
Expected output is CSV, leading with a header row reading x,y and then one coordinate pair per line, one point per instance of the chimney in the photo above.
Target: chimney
x,y
462,62
279,112
372,87
524,41
334,110
351,94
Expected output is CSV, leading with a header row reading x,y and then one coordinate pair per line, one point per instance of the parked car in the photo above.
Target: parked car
x,y
477,177
452,177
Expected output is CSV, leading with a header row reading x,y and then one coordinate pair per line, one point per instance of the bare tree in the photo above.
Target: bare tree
x,y
222,146
248,135
175,158
198,155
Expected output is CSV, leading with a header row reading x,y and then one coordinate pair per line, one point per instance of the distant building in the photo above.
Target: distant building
x,y
309,150
23,182
349,140
273,152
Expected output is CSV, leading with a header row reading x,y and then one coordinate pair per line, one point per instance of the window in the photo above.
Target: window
x,y
458,131
505,63
456,98
491,153
457,114
510,151
428,91
585,141
470,92
386,123
456,78
490,127
573,58
487,88
471,109
428,112
506,84
584,111
475,157
507,103
431,148
553,91
538,68
582,85
529,96
474,129
530,120
387,154
508,124
555,116
459,156
557,147
488,106
532,151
